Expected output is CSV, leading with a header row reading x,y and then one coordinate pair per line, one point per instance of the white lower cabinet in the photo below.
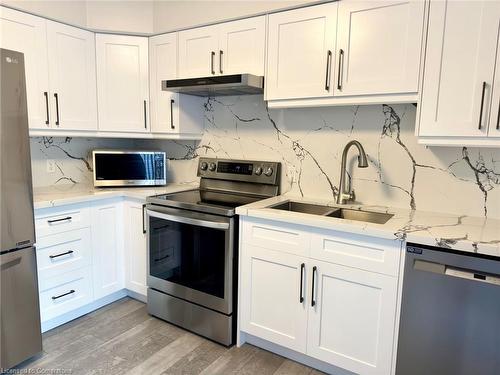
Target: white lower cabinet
x,y
341,315
107,247
274,304
80,257
135,248
351,324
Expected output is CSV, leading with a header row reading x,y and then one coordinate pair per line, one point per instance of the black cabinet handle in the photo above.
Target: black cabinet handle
x,y
327,75
172,101
46,94
313,302
57,108
212,55
302,267
481,108
165,257
64,294
60,255
221,52
341,68
145,119
498,116
143,219
67,218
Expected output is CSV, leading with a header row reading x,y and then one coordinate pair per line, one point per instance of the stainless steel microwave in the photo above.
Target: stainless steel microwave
x,y
129,168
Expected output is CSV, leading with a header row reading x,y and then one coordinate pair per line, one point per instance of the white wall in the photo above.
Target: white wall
x,y
73,12
103,15
173,15
121,16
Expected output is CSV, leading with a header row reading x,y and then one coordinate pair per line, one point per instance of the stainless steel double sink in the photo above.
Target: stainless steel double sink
x,y
337,212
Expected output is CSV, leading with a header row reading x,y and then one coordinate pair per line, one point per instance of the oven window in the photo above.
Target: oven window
x,y
188,255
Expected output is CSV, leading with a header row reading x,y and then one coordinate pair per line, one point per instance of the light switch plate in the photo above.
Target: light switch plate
x,y
51,166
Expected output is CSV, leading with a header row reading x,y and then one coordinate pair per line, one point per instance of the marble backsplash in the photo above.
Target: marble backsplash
x,y
309,143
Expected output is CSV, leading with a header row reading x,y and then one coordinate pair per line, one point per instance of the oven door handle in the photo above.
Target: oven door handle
x,y
188,220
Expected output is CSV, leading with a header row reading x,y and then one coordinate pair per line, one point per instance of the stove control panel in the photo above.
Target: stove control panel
x,y
239,170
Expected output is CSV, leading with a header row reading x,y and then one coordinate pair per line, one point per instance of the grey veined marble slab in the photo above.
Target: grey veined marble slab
x,y
466,233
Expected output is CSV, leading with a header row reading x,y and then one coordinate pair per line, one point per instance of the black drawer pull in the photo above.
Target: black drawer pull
x,y
481,108
165,257
62,295
62,254
46,94
302,267
143,219
313,301
67,218
57,108
172,101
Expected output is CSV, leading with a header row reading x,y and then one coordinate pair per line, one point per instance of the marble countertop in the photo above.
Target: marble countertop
x,y
54,196
465,233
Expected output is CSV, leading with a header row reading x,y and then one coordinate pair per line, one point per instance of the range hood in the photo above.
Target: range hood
x,y
235,84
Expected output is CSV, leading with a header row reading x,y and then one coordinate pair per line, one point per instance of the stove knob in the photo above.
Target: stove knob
x,y
212,167
203,166
258,171
269,171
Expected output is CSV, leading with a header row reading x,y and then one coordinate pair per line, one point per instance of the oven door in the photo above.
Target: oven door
x,y
191,256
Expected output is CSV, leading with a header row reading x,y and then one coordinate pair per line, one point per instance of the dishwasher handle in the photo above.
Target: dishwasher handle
x,y
463,273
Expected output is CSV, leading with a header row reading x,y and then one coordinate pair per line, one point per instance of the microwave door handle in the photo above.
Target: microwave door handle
x,y
188,220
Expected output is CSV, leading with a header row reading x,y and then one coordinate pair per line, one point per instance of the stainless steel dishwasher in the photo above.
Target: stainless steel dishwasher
x,y
450,317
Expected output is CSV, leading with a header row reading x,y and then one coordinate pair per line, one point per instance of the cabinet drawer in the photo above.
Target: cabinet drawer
x,y
66,292
63,252
275,236
52,221
363,252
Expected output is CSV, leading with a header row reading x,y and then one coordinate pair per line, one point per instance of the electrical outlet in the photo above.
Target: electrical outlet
x,y
51,166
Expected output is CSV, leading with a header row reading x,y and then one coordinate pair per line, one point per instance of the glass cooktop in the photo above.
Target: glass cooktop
x,y
204,200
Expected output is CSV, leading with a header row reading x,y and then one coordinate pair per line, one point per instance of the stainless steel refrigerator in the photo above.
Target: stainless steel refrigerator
x,y
20,335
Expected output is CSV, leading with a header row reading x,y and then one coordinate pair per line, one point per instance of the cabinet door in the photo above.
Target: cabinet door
x,y
27,34
72,77
352,322
198,52
494,124
107,248
136,249
271,305
300,51
122,83
378,47
459,64
242,46
163,65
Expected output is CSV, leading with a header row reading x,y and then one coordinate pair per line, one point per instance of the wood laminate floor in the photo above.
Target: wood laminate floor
x,y
122,338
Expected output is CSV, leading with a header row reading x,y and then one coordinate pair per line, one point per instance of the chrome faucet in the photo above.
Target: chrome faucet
x,y
346,193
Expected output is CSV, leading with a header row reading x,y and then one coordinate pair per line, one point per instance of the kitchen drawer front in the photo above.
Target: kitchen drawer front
x,y
58,220
63,252
64,293
277,236
352,250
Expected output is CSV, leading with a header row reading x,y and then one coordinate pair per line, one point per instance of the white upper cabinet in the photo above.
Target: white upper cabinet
x,y
227,48
27,34
378,47
72,73
122,83
494,125
459,69
301,45
242,46
197,52
171,113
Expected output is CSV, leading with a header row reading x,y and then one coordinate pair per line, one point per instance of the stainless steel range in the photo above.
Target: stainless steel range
x,y
192,245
